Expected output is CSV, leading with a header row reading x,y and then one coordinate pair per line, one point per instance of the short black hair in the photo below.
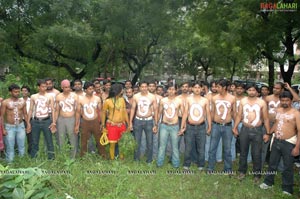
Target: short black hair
x,y
88,84
252,85
128,80
48,79
171,85
106,81
13,87
26,87
200,83
239,84
286,94
143,82
224,83
77,80
41,81
264,86
212,82
280,83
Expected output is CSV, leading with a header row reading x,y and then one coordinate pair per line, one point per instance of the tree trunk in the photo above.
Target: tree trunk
x,y
271,74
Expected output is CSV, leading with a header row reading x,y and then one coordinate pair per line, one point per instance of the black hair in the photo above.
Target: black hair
x,y
143,82
128,80
13,87
27,87
280,83
185,83
197,82
106,81
223,83
171,85
286,94
212,82
239,84
115,90
88,84
48,79
41,81
77,80
264,86
252,85
152,82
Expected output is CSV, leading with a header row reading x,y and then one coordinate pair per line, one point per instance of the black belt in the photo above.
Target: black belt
x,y
223,124
169,124
41,119
196,124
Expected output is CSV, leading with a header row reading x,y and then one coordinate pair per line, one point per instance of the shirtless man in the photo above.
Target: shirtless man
x,y
13,111
65,110
152,90
144,114
98,89
272,102
88,108
239,95
40,103
25,90
286,143
169,112
253,113
264,92
213,92
196,111
223,110
115,117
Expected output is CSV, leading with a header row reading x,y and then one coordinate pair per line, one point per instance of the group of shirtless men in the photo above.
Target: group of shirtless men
x,y
192,115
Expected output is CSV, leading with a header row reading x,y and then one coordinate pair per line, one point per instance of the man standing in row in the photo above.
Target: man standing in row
x,y
143,106
89,107
65,110
255,113
223,110
13,111
196,111
40,103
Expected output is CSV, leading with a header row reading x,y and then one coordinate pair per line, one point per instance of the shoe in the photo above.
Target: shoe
x,y
186,168
265,186
200,168
286,193
241,176
297,164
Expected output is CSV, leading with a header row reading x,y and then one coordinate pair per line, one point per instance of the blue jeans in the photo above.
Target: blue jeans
x,y
167,131
14,133
138,127
225,132
219,150
36,128
196,134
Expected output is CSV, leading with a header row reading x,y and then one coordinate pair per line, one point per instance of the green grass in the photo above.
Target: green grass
x,y
116,179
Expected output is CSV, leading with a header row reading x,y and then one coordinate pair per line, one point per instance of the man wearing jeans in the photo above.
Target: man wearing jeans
x,y
255,113
40,103
223,110
196,110
144,113
169,126
13,110
286,144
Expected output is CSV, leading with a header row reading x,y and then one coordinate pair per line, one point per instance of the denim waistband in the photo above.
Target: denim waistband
x,y
14,125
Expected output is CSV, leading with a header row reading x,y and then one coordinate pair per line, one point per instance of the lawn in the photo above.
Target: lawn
x,y
91,177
